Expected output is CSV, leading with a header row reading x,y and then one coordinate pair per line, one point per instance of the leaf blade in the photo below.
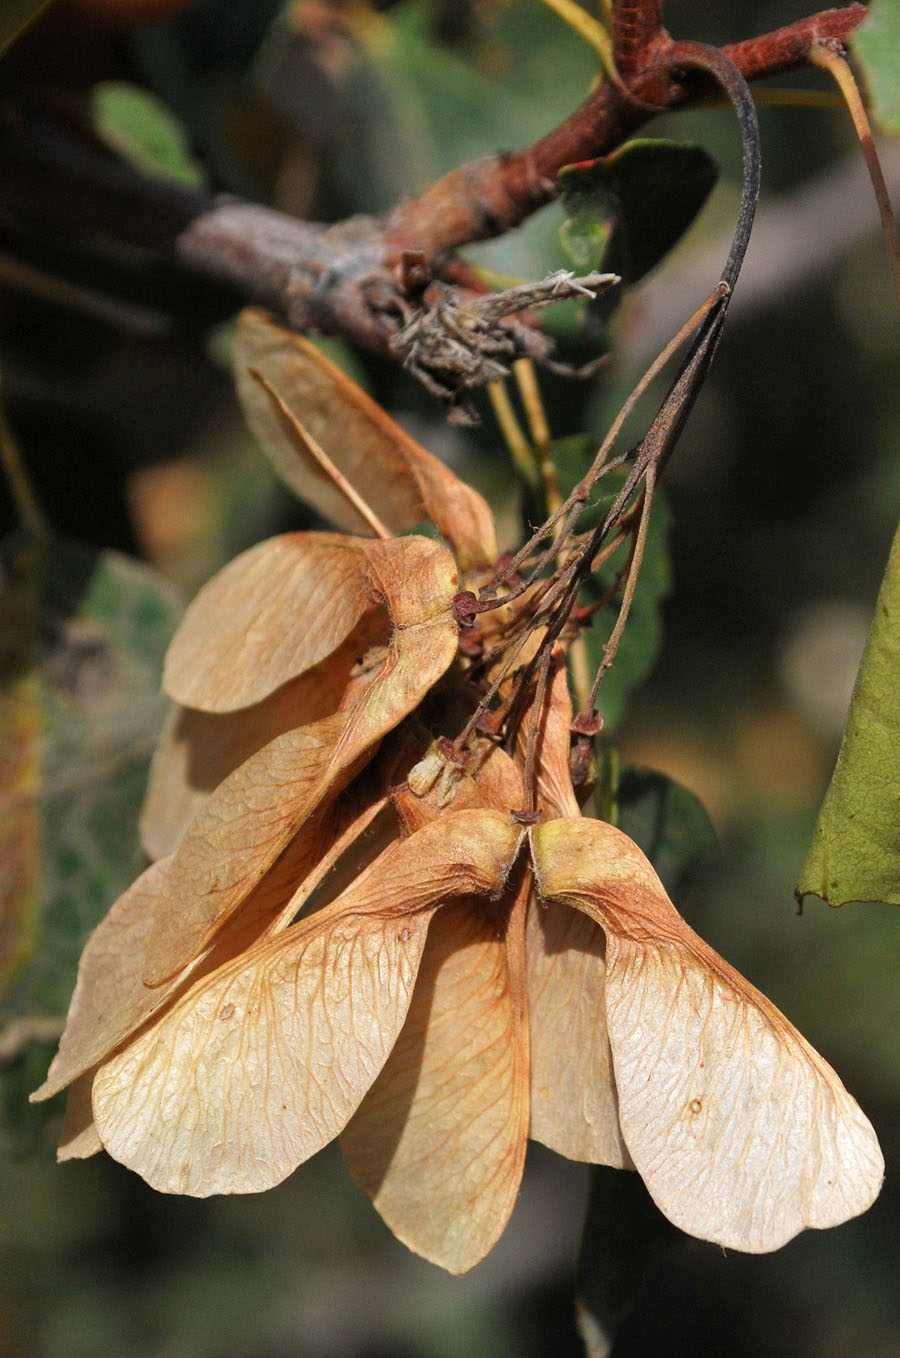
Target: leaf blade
x,y
855,854
876,42
627,210
84,632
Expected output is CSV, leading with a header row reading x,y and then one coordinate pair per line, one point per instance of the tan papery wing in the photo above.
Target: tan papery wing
x,y
742,1133
272,613
400,480
254,813
263,1062
439,1141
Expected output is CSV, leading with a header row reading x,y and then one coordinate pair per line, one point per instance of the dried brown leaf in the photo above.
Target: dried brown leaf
x,y
401,482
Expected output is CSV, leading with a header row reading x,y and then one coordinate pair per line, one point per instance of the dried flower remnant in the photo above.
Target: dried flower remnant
x,y
268,985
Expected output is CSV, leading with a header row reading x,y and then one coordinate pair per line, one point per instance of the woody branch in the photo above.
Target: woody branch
x,y
367,278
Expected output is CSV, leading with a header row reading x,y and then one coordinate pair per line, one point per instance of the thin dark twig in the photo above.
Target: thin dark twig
x,y
602,465
726,74
634,570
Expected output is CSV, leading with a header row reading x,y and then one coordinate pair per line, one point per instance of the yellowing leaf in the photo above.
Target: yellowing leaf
x,y
396,477
439,1141
855,852
20,773
111,1000
741,1132
269,615
82,635
263,1062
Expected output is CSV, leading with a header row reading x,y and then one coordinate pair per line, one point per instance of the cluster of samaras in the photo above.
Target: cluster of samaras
x,y
358,924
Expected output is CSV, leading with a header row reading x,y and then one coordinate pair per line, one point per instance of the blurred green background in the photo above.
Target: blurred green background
x,y
783,498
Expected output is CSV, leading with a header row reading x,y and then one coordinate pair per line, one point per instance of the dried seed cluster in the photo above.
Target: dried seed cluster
x,y
358,925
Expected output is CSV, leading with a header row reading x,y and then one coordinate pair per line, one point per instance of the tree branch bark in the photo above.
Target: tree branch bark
x,y
353,278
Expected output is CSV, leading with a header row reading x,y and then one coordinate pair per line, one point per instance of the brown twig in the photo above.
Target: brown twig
x,y
488,197
348,278
832,61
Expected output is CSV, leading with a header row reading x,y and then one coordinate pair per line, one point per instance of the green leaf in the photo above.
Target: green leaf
x,y
668,822
415,110
141,129
624,1233
82,638
415,106
628,209
643,634
855,850
15,15
587,231
876,44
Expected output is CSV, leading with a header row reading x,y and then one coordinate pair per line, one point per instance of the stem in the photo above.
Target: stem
x,y
786,48
634,570
488,197
657,445
580,672
637,27
534,728
29,511
512,654
342,279
587,27
600,464
519,448
540,431
726,74
840,70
